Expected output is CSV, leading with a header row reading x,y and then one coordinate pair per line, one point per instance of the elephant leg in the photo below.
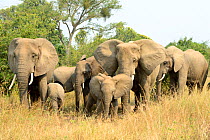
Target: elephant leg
x,y
99,108
60,104
34,92
191,86
89,105
158,90
182,81
86,91
43,88
114,108
200,87
173,83
126,105
25,99
54,104
136,90
137,101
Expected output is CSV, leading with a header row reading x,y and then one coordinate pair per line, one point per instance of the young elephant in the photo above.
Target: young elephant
x,y
105,89
55,93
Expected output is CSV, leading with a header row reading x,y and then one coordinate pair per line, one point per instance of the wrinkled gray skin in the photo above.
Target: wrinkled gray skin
x,y
65,76
185,68
55,93
105,89
37,56
85,69
140,58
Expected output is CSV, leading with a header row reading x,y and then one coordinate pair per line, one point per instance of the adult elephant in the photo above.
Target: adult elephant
x,y
65,76
32,60
85,69
140,58
185,68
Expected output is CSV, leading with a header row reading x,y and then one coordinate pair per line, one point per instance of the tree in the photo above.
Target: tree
x,y
127,34
82,15
30,19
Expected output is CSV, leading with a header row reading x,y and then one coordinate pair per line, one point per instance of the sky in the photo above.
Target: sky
x,y
164,21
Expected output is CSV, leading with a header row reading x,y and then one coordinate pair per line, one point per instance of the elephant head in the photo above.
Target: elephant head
x,y
106,88
173,62
33,57
143,53
85,69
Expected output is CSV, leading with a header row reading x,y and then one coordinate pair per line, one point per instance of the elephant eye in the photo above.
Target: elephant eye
x,y
134,59
165,62
34,56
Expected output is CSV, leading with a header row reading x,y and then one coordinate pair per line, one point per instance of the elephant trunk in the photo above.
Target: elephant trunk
x,y
127,68
22,77
78,90
107,101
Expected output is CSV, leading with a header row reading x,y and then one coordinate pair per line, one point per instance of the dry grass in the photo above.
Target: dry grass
x,y
186,117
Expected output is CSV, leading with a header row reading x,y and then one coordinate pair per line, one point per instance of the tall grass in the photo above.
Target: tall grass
x,y
186,117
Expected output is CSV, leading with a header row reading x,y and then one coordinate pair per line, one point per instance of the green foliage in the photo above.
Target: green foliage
x,y
81,15
30,19
186,43
127,34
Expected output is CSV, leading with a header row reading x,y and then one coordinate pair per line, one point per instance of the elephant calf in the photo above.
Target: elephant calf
x,y
55,94
105,90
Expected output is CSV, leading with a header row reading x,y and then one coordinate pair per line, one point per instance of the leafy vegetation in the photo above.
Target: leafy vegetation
x,y
176,118
80,15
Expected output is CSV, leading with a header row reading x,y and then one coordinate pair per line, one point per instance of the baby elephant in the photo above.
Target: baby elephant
x,y
105,89
55,94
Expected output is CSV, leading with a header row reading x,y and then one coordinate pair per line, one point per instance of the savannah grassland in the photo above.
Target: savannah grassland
x,y
184,118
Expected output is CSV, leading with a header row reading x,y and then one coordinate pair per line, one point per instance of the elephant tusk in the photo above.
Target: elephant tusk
x,y
162,77
132,77
32,78
13,80
83,85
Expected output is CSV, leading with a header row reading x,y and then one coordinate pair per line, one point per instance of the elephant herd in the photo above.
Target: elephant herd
x,y
114,69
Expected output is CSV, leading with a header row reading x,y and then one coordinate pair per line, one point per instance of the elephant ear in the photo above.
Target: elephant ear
x,y
152,54
97,68
177,55
95,86
105,54
48,57
11,58
124,84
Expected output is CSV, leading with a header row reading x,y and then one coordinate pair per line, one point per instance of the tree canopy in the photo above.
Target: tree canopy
x,y
43,19
30,19
83,15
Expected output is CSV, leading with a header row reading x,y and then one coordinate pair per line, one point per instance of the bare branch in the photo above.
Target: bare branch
x,y
60,34
69,30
